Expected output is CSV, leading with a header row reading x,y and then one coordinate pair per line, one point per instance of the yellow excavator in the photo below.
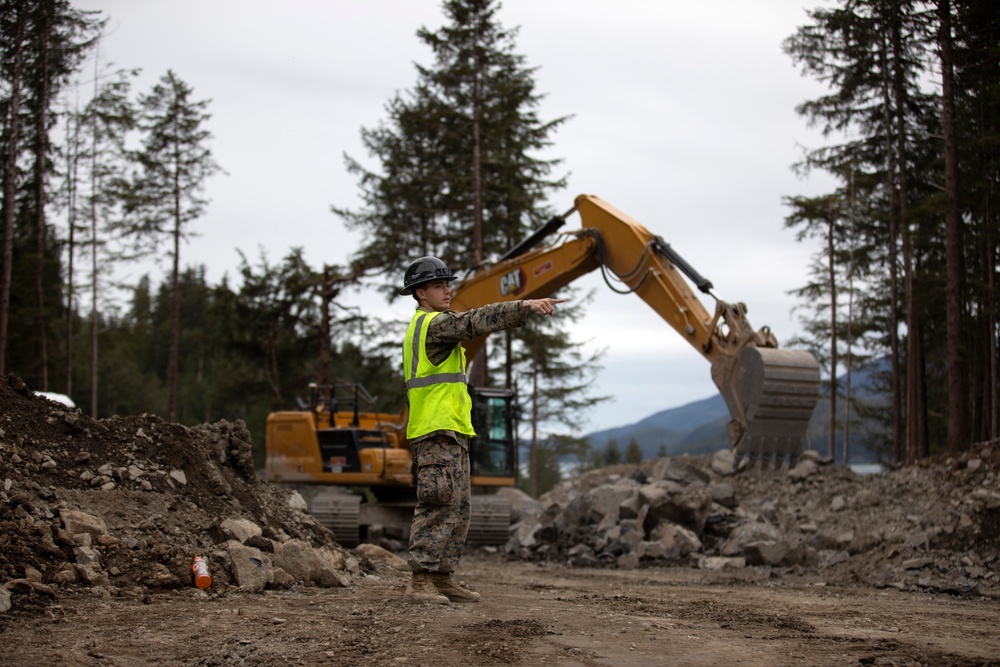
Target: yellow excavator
x,y
352,463
770,392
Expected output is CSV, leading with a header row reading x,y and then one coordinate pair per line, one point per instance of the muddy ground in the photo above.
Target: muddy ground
x,y
124,596
530,615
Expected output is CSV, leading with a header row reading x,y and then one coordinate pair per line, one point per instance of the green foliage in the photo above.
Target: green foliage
x,y
175,162
878,285
41,46
611,455
555,371
456,148
175,159
633,453
458,178
556,458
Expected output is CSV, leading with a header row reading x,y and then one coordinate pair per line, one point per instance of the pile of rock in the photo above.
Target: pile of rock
x,y
933,527
121,506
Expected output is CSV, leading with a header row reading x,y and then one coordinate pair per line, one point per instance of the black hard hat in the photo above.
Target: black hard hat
x,y
424,270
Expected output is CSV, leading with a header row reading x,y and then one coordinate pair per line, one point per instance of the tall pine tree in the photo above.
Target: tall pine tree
x,y
176,162
913,88
460,176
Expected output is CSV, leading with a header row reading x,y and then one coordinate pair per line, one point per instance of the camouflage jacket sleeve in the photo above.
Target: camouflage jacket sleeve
x,y
450,328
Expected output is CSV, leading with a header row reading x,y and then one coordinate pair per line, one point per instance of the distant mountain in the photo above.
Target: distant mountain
x,y
700,427
697,425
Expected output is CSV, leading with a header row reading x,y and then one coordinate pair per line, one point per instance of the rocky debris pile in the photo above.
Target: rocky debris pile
x,y
930,527
120,507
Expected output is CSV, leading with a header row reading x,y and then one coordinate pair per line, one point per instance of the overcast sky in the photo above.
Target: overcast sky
x,y
683,118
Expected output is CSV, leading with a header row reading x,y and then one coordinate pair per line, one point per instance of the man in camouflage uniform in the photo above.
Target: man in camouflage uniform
x,y
440,422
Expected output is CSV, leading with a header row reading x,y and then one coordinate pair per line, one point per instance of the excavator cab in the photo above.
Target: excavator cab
x,y
493,452
493,459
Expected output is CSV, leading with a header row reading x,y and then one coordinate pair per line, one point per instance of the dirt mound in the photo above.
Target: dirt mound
x,y
164,493
933,527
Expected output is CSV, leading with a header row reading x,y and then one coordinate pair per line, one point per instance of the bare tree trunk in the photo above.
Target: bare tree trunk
x,y
93,260
93,288
891,255
10,183
480,370
992,399
275,373
850,327
832,277
41,154
477,179
913,356
326,295
509,364
957,387
175,312
994,366
72,155
533,464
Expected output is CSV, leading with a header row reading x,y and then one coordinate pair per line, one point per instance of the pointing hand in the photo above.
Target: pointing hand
x,y
544,306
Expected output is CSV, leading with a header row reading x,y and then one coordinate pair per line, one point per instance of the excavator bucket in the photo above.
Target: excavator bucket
x,y
771,394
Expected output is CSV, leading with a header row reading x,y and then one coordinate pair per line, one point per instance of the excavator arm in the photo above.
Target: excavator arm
x,y
770,393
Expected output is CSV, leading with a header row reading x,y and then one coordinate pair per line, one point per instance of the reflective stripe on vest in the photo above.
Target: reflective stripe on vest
x,y
438,397
416,344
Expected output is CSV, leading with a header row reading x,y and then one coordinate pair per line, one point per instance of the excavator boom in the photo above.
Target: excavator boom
x,y
770,393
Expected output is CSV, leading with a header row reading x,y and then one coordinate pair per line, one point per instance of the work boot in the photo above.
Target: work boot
x,y
445,586
422,589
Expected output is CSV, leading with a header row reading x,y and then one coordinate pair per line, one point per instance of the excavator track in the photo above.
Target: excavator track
x,y
348,517
339,512
490,521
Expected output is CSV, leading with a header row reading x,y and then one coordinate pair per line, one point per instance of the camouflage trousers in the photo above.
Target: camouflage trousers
x,y
441,519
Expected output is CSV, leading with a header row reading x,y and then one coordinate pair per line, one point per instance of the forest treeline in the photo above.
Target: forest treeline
x,y
906,246
906,265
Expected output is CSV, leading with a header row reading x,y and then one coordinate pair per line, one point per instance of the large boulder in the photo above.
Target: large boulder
x,y
302,561
687,506
78,523
250,566
677,541
601,505
240,530
522,505
748,533
380,556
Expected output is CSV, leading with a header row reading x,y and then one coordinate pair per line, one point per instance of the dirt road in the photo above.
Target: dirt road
x,y
531,614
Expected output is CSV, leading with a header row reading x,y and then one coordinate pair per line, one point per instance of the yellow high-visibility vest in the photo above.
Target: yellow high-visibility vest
x,y
438,396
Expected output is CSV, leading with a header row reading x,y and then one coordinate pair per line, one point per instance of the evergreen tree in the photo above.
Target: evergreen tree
x,y
14,19
871,55
832,320
976,29
633,453
458,177
273,324
176,162
558,375
611,454
41,46
103,162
